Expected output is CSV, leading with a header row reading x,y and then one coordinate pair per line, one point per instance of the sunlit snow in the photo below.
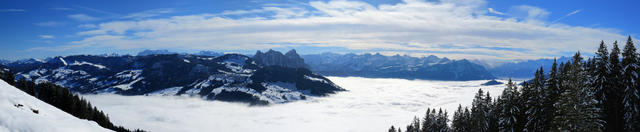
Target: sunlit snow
x,y
21,112
369,105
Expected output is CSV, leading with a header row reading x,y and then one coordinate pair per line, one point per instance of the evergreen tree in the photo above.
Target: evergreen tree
x,y
479,113
66,101
492,115
508,114
601,73
552,92
533,96
410,128
429,121
27,86
631,98
611,95
392,129
414,126
467,119
577,106
441,122
521,104
6,75
458,122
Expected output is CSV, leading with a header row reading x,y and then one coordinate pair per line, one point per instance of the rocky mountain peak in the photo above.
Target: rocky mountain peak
x,y
271,57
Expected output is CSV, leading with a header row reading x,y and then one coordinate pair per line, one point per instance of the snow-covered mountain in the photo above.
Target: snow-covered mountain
x,y
231,77
209,53
154,52
21,112
4,62
407,67
524,68
164,52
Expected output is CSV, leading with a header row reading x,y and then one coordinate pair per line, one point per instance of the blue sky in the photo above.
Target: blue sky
x,y
473,29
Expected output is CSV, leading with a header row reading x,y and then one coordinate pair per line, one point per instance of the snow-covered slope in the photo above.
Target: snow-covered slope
x,y
20,112
230,77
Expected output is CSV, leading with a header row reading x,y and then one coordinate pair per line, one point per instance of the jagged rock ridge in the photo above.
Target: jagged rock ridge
x,y
274,58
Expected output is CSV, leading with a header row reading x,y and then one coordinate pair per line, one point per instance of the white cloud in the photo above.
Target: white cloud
x,y
13,10
49,24
149,13
491,10
46,36
278,12
426,26
88,26
83,17
96,10
529,13
382,103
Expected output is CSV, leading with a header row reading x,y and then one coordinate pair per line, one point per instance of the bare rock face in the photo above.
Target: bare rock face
x,y
290,59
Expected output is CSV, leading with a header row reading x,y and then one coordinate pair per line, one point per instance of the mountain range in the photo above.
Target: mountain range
x,y
397,66
523,69
266,77
229,77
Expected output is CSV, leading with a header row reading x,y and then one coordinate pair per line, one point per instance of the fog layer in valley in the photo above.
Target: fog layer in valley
x,y
368,105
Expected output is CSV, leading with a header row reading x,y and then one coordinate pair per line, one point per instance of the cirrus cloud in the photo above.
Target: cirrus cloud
x,y
411,27
46,36
83,17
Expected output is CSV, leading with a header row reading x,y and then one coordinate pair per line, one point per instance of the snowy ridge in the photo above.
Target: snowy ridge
x,y
166,92
128,85
18,114
230,77
76,63
63,62
315,79
281,92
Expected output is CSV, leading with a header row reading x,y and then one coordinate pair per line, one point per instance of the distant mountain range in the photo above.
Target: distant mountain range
x,y
267,77
229,77
166,52
407,67
523,69
371,65
4,62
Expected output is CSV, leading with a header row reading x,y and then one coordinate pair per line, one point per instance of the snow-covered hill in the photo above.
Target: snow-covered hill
x,y
230,77
21,112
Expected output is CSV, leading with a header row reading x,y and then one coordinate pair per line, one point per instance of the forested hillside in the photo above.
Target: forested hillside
x,y
62,99
600,93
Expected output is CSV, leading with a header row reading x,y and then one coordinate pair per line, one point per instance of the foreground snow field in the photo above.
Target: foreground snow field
x,y
18,114
369,105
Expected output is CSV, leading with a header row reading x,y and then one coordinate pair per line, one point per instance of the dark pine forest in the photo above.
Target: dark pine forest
x,y
63,99
601,93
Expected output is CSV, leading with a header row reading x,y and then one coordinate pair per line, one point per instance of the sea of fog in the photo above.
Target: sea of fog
x,y
369,105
